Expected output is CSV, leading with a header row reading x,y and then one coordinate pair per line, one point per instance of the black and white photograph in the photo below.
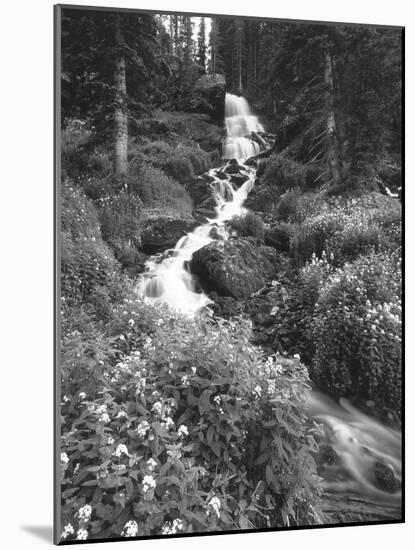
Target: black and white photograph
x,y
228,200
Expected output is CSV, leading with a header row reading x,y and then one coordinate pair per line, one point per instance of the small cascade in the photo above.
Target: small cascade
x,y
169,280
240,122
358,455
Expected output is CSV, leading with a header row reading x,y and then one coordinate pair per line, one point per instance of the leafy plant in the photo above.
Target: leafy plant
x,y
168,430
249,225
357,331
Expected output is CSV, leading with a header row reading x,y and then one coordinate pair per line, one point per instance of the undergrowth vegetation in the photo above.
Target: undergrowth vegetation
x,y
339,305
177,426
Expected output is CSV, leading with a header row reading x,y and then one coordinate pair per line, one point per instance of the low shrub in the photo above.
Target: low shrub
x,y
74,148
292,305
181,163
357,331
79,217
285,174
120,219
348,229
90,275
248,225
181,426
295,206
158,191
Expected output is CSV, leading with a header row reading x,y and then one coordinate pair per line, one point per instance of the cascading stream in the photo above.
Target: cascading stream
x,y
365,456
168,281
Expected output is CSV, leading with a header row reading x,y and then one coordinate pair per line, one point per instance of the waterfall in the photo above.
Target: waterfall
x,y
169,281
240,122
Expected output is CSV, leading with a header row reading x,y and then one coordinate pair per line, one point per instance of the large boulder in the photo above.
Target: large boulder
x,y
278,236
161,233
236,268
199,188
209,95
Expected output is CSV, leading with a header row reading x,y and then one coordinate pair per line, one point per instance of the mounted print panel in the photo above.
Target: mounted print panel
x,y
228,295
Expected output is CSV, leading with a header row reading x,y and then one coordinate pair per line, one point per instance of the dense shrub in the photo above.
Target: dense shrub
x,y
120,219
295,206
90,275
81,160
74,148
248,225
181,426
285,174
357,331
89,272
348,229
292,304
79,217
181,162
158,191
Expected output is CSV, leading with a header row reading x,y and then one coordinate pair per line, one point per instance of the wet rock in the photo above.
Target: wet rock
x,y
221,175
239,179
225,306
161,233
132,260
236,268
278,237
199,188
385,477
233,167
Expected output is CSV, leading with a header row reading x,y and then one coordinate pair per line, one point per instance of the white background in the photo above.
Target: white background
x,y
26,276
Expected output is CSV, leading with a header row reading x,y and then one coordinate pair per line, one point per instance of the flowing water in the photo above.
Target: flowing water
x,y
168,280
360,456
240,122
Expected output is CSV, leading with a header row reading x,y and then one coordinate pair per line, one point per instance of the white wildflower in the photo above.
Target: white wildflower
x,y
183,431
82,395
151,463
168,423
148,483
81,534
157,407
185,380
121,449
104,418
143,428
130,529
85,512
67,530
257,391
214,503
64,459
171,528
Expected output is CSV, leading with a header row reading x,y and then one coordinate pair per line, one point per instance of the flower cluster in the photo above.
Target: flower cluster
x,y
148,483
214,504
172,527
130,529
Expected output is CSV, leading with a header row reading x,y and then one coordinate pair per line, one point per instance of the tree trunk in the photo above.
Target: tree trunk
x,y
120,113
333,150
